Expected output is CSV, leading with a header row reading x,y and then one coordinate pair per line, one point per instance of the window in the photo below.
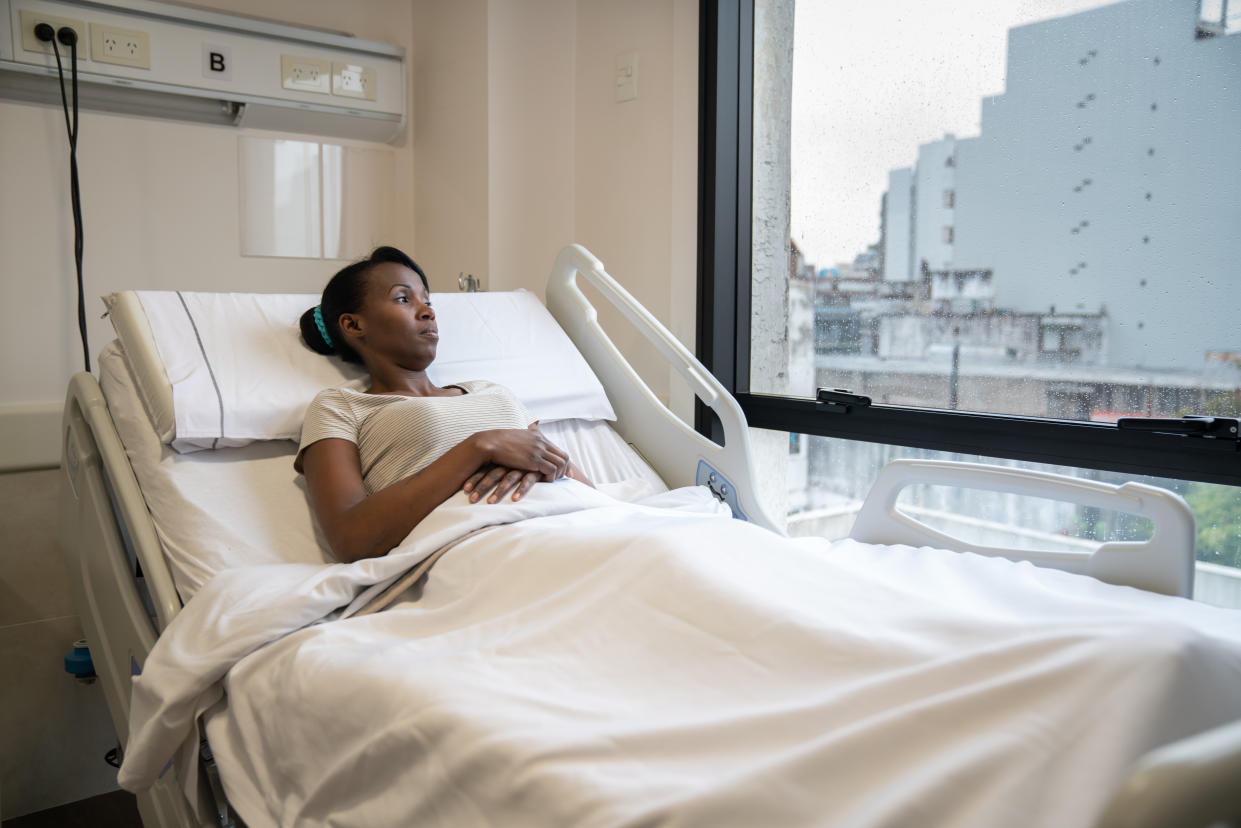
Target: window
x,y
1218,17
979,326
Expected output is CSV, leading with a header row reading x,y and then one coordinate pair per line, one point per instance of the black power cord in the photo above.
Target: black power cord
x,y
69,37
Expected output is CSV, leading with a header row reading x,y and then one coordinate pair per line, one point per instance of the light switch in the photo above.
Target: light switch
x,y
626,76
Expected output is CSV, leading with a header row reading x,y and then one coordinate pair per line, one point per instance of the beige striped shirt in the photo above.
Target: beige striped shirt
x,y
399,436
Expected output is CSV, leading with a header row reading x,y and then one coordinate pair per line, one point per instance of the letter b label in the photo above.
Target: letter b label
x,y
217,62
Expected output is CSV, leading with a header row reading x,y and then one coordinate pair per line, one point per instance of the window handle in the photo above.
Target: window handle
x,y
1194,425
841,400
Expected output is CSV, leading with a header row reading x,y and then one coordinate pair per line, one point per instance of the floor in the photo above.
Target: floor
x,y
118,809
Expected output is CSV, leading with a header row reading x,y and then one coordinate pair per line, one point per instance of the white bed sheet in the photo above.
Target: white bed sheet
x,y
247,506
616,664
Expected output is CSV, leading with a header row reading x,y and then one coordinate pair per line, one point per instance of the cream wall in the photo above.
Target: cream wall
x,y
514,147
161,208
531,126
563,161
636,166
160,203
449,128
519,145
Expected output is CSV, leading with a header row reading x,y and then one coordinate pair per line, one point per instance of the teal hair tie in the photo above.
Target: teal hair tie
x,y
322,328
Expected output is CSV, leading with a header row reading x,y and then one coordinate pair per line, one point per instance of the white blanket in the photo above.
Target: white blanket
x,y
625,665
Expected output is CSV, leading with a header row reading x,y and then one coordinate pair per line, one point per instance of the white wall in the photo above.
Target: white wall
x,y
1106,177
932,177
898,226
773,308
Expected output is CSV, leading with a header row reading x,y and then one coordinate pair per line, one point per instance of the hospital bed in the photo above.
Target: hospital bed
x,y
155,503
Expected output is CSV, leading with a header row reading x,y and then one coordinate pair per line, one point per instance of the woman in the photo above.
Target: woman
x,y
377,462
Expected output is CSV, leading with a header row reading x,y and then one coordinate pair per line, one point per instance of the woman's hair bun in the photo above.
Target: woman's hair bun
x,y
311,334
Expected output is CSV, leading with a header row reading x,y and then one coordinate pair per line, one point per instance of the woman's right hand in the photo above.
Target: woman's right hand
x,y
524,450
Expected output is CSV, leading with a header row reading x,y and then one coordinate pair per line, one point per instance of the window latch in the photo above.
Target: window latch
x,y
1194,425
840,400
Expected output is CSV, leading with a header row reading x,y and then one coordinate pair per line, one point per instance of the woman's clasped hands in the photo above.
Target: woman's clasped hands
x,y
520,458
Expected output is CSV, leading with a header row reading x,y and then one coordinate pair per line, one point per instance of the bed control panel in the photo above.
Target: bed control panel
x,y
720,486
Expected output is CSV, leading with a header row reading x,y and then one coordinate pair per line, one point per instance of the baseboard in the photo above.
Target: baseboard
x,y
29,436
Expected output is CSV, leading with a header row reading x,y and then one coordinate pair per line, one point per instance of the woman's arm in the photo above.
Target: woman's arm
x,y
358,525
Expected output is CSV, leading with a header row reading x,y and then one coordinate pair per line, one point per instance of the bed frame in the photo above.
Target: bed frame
x,y
125,596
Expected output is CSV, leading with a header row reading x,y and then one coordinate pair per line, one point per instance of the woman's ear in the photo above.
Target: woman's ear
x,y
352,325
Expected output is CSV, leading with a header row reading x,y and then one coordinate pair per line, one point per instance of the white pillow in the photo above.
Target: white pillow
x,y
223,369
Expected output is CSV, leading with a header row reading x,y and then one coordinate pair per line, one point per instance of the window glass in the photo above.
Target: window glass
x,y
831,478
1018,208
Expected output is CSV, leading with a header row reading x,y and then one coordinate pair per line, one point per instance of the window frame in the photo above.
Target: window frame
x,y
726,58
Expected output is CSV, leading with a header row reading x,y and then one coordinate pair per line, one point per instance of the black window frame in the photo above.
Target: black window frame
x,y
726,59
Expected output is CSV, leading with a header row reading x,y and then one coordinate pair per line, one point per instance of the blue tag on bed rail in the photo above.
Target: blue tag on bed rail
x,y
720,486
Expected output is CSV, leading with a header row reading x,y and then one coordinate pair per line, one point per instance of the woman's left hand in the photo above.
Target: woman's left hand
x,y
499,480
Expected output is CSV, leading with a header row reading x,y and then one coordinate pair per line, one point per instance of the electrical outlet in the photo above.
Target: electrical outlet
x,y
353,81
124,47
303,74
31,43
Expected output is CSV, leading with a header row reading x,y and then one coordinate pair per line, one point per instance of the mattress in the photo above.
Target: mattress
x,y
247,506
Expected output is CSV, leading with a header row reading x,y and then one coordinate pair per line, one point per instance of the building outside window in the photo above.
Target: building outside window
x,y
1019,218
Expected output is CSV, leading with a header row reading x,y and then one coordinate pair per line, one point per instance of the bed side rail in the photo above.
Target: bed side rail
x,y
1196,781
101,579
1164,563
99,499
91,441
680,455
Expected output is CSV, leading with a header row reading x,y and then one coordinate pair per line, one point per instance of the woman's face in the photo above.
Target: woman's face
x,y
396,319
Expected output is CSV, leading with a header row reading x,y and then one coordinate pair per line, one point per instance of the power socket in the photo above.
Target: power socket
x,y
304,74
124,47
353,81
31,43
